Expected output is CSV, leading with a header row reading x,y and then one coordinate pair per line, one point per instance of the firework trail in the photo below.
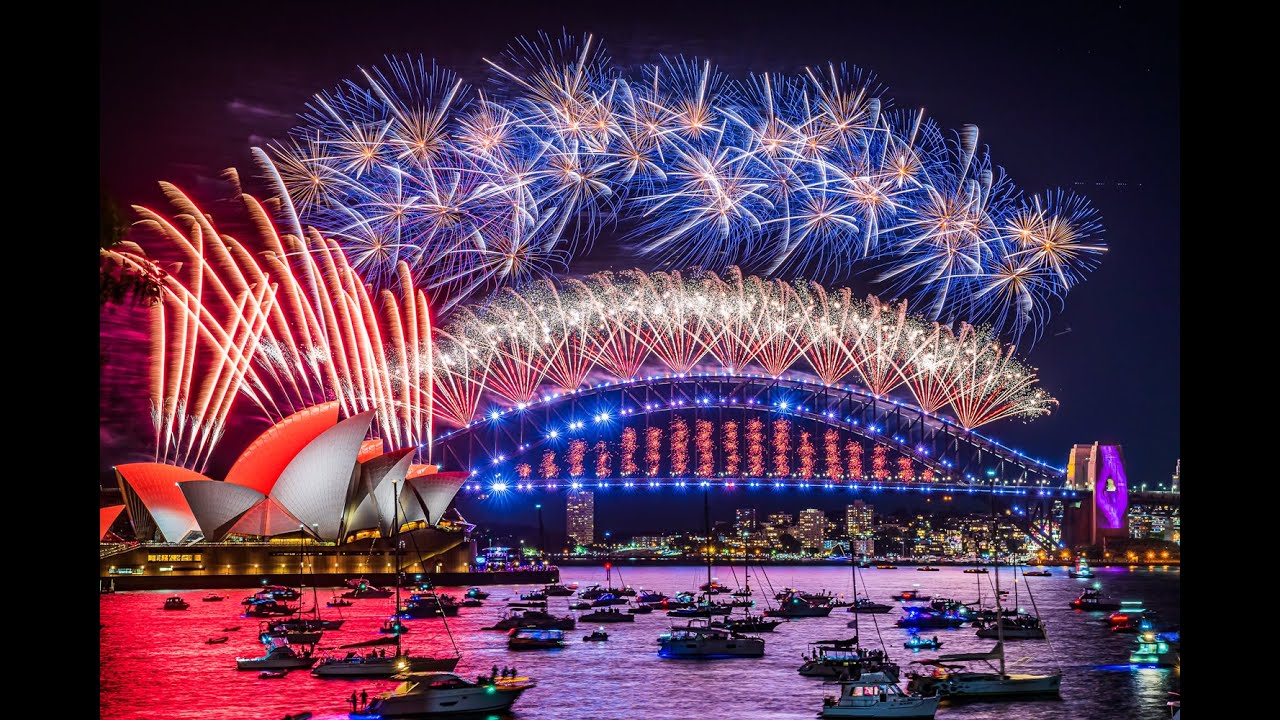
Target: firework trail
x,y
527,344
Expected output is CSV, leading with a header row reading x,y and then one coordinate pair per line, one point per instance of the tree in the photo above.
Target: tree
x,y
116,282
790,544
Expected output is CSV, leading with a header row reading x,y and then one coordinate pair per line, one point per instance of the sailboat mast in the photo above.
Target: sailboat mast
x,y
706,521
999,609
395,542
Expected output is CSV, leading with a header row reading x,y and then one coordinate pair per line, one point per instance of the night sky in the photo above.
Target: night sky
x,y
1082,96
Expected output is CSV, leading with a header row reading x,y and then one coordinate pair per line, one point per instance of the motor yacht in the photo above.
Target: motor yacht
x,y
1093,601
844,659
926,568
1081,569
534,639
596,636
176,603
911,595
1156,649
915,642
748,623
443,694
213,597
280,657
796,606
609,615
608,599
475,593
1017,627
917,617
698,640
534,619
558,590
874,695
373,665
867,605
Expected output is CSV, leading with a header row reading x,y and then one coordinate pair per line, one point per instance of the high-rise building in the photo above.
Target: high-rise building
x,y
859,520
779,519
580,511
1177,475
744,521
811,527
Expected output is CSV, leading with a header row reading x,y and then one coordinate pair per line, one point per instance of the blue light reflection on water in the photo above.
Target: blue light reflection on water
x,y
155,664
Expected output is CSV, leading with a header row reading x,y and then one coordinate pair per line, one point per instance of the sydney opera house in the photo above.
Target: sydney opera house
x,y
310,494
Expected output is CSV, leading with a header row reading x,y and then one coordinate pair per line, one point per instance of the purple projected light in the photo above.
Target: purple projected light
x,y
1112,489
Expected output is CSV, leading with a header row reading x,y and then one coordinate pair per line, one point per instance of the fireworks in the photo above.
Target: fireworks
x,y
558,335
679,447
577,453
803,175
702,441
628,444
287,325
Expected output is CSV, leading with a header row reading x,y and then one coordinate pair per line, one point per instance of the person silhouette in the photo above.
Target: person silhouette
x,y
364,698
353,701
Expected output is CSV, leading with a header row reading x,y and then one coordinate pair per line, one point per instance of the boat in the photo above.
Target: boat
x,y
1127,618
269,608
924,618
579,605
304,624
608,599
785,593
534,639
536,596
1156,649
273,674
1081,569
647,597
713,587
280,657
470,602
926,568
640,609
955,682
337,602
361,589
886,567
699,640
975,571
596,636
270,632
233,628
910,595
429,605
394,626
443,694
475,593
1016,627
591,592
748,623
874,695
217,641
213,597
176,603
557,590
705,609
280,592
1093,601
381,664
842,659
1175,705
867,605
915,642
1037,573
534,619
610,615
797,606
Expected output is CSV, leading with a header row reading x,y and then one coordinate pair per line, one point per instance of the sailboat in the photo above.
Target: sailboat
x,y
698,639
1019,625
748,623
379,664
950,680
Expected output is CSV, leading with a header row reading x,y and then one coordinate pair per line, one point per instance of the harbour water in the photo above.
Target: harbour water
x,y
156,665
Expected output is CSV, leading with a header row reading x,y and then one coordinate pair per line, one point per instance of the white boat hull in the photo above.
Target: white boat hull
x,y
442,703
871,707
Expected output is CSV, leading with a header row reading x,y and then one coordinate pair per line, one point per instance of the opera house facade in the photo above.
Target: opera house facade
x,y
309,497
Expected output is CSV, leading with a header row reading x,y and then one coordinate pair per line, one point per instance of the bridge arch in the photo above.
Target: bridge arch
x,y
938,451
